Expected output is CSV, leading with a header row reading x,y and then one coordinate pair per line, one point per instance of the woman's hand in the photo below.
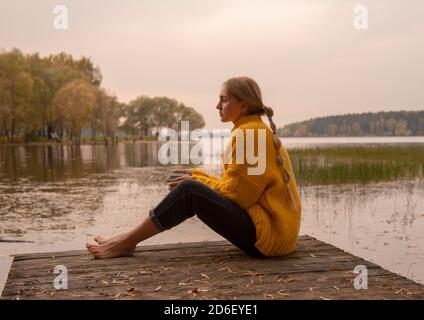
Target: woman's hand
x,y
186,175
185,171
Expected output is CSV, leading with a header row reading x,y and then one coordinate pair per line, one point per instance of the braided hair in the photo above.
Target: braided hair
x,y
277,143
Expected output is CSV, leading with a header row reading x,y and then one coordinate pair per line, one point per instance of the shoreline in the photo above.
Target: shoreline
x,y
47,143
53,143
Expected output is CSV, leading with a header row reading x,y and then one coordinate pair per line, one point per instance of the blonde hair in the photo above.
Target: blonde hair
x,y
247,90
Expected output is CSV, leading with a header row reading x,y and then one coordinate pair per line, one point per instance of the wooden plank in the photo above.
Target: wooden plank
x,y
206,270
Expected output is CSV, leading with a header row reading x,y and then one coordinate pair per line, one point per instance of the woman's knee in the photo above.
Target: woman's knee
x,y
189,185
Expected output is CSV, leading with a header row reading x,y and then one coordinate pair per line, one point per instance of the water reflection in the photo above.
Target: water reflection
x,y
382,222
58,162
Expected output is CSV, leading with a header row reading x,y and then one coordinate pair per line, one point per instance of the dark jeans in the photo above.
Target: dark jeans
x,y
225,217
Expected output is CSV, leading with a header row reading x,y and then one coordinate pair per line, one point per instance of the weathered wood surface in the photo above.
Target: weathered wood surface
x,y
206,270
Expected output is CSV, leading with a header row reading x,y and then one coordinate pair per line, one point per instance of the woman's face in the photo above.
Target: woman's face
x,y
230,108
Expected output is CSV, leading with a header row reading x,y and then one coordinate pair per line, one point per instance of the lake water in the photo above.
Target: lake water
x,y
58,197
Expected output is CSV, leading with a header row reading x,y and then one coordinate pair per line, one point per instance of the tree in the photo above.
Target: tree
x,y
195,119
105,115
73,105
146,115
162,113
37,116
138,114
15,90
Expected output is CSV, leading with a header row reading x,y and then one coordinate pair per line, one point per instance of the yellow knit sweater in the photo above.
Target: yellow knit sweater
x,y
274,206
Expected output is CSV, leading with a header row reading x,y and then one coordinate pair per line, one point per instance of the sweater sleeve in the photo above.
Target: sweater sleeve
x,y
235,184
199,174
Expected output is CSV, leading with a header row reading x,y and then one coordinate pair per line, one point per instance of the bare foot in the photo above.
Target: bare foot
x,y
111,249
102,240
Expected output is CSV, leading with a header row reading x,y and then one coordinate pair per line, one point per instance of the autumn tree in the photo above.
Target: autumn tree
x,y
73,105
105,115
15,91
146,115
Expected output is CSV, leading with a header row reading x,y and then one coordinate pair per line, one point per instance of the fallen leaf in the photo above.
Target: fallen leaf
x,y
324,298
403,289
144,272
205,276
267,295
253,273
228,269
158,288
130,289
134,293
312,255
41,292
105,282
281,293
336,288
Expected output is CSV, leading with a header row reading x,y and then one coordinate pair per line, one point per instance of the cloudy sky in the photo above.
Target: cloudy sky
x,y
307,56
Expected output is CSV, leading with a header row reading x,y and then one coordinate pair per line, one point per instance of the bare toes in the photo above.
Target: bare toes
x,y
93,250
99,239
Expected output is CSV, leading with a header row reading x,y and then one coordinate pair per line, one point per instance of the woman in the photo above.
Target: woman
x,y
260,214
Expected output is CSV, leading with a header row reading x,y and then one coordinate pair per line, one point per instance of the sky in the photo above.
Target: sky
x,y
307,56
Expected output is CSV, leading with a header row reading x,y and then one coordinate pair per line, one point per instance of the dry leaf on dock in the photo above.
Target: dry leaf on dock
x,y
205,276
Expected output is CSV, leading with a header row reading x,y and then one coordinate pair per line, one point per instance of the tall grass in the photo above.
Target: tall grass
x,y
357,164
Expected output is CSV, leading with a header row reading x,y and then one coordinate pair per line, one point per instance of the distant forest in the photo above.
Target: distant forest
x,y
396,123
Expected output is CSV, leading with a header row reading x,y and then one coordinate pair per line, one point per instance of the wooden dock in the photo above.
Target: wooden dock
x,y
206,270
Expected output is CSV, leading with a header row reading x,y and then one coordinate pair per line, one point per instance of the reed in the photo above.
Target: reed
x,y
357,164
